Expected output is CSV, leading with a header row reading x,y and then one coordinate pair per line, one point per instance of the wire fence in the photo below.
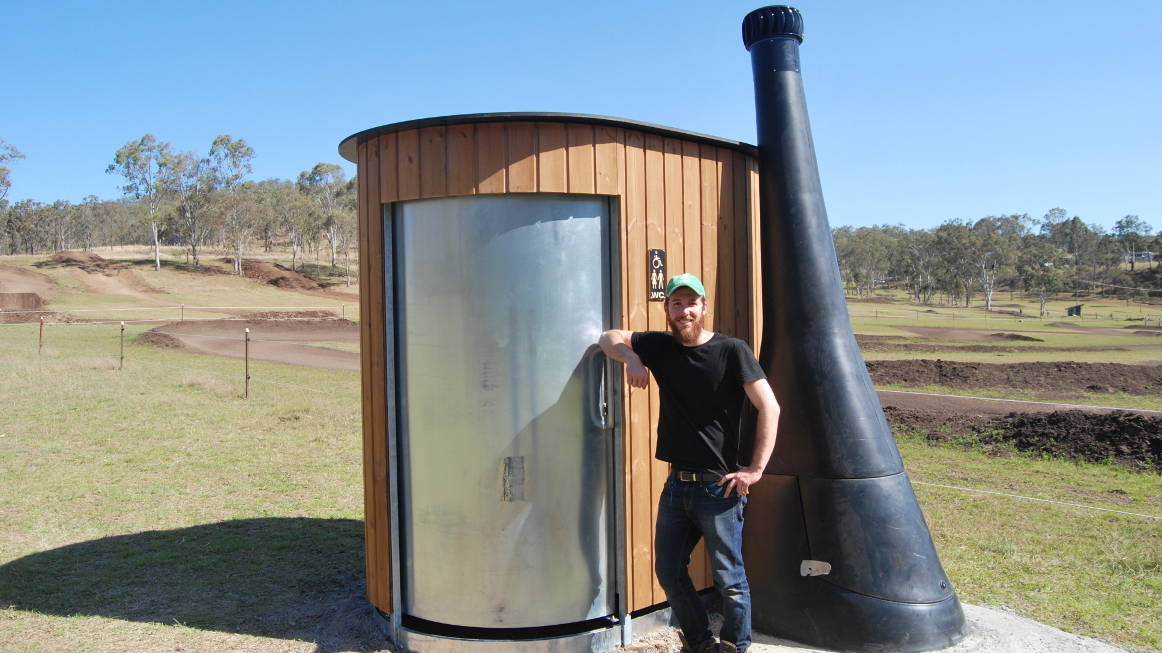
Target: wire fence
x,y
919,315
16,316
45,324
245,338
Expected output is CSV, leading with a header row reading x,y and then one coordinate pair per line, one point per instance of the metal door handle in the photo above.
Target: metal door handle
x,y
594,398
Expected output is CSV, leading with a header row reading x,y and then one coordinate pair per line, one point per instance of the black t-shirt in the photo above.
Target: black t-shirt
x,y
702,397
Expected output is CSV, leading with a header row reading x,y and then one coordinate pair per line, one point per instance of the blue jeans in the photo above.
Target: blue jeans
x,y
688,512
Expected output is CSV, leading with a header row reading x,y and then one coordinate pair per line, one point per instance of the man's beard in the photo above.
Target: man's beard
x,y
688,336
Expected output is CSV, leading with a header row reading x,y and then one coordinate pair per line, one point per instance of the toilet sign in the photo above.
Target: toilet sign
x,y
656,272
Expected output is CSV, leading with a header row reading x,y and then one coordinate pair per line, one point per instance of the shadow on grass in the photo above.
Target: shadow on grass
x,y
288,578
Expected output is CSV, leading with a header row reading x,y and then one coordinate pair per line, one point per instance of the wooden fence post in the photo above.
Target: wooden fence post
x,y
246,395
121,365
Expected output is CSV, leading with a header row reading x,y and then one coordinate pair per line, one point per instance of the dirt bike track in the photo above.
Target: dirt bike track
x,y
321,340
294,341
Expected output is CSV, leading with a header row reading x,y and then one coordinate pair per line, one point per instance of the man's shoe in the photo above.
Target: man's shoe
x,y
727,647
709,646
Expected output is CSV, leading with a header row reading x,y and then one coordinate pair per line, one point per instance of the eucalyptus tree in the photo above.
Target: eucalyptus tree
x,y
270,194
292,211
349,223
995,242
1042,267
325,185
188,178
866,254
956,269
7,153
844,254
228,164
24,229
241,219
142,163
58,221
915,263
1131,232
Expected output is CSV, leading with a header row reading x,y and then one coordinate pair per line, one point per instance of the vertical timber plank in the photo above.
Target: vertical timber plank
x,y
672,180
581,159
551,160
522,157
382,473
370,500
490,158
461,148
709,180
609,160
388,167
408,166
377,517
433,171
640,505
727,301
742,272
691,208
656,318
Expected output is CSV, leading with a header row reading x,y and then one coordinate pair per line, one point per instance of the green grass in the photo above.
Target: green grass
x,y
1026,306
1106,400
153,508
1085,571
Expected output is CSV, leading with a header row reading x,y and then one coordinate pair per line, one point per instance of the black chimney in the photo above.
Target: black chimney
x,y
837,550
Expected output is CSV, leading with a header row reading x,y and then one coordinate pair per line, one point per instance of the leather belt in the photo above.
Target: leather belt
x,y
696,477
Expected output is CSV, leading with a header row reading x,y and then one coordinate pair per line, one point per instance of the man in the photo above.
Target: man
x,y
703,378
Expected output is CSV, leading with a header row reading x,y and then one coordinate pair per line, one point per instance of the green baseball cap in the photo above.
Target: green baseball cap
x,y
685,280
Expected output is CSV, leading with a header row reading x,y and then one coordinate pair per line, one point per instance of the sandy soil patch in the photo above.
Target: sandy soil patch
x,y
292,341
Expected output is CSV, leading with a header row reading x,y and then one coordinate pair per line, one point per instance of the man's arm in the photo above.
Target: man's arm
x,y
760,394
616,344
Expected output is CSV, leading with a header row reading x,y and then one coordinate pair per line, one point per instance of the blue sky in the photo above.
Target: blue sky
x,y
921,110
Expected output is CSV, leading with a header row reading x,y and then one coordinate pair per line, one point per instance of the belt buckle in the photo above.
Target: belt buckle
x,y
688,477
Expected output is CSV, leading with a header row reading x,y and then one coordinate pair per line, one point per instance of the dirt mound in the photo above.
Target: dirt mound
x,y
276,275
20,301
1148,333
87,261
1058,378
1131,440
159,339
22,289
1015,336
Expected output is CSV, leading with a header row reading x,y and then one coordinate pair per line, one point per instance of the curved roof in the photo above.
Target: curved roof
x,y
347,148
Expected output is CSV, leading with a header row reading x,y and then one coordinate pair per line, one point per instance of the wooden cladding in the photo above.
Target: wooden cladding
x,y
697,200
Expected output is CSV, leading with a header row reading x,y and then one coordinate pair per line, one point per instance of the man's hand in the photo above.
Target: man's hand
x,y
741,481
616,345
637,374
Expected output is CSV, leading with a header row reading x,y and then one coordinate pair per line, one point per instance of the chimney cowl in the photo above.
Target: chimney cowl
x,y
772,22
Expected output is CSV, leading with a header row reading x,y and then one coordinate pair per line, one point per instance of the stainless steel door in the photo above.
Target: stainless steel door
x,y
506,502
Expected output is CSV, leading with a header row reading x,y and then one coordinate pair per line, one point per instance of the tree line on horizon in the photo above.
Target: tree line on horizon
x,y
183,198
190,200
962,259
